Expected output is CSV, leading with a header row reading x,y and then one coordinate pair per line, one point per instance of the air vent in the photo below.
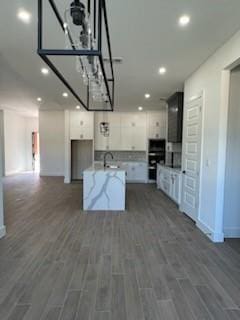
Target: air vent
x,y
116,60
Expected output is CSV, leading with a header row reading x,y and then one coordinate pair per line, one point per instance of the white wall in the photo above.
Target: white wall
x,y
232,180
212,79
17,142
51,134
2,227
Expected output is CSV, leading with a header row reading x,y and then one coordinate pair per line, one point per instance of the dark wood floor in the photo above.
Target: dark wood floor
x,y
148,264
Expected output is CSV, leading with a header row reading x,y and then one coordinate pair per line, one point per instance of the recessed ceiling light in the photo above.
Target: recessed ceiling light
x,y
45,71
39,99
65,94
184,20
162,70
24,15
147,95
140,108
78,107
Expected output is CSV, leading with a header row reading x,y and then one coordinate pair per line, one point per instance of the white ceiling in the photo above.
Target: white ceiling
x,y
145,33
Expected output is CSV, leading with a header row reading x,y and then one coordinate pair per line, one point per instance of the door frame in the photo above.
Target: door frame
x,y
199,95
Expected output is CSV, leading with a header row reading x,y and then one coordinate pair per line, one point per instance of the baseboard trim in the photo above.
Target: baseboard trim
x,y
231,232
67,181
213,236
51,174
12,173
2,232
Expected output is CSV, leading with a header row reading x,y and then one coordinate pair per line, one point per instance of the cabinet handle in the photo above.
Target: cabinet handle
x,y
157,135
133,148
81,136
157,124
81,123
133,124
107,147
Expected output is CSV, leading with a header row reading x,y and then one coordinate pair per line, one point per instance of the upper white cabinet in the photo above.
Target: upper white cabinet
x,y
81,125
157,125
134,131
101,142
127,131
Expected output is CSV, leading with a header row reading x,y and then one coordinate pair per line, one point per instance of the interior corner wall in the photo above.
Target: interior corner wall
x,y
231,221
208,78
14,142
2,227
51,135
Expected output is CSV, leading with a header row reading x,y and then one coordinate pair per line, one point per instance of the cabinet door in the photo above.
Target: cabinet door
x,y
126,138
115,138
176,187
101,142
141,172
139,142
81,119
157,125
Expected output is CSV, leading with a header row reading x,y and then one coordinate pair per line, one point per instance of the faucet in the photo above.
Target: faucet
x,y
105,156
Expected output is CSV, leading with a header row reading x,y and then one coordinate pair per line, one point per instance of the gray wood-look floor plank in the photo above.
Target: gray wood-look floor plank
x,y
70,306
104,285
102,315
233,314
214,308
150,304
167,310
148,263
197,306
52,313
133,300
118,301
18,312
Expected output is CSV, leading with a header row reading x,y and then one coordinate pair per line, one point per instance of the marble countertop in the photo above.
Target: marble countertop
x,y
100,167
176,169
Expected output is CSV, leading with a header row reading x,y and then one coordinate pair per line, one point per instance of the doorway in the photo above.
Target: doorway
x,y
81,158
231,216
191,160
35,152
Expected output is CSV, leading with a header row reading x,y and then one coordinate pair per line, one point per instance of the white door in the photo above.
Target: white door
x,y
191,157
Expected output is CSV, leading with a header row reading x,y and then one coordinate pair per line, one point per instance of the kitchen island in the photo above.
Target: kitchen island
x,y
104,189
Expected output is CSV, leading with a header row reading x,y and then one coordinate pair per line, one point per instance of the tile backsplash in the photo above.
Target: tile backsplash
x,y
122,155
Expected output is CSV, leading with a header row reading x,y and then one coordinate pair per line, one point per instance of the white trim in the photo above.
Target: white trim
x,y
11,173
231,232
222,149
213,236
44,173
2,232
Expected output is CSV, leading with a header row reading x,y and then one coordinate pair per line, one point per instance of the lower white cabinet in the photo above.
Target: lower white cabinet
x,y
136,171
169,181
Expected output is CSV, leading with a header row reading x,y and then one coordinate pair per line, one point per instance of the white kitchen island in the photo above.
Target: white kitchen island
x,y
104,189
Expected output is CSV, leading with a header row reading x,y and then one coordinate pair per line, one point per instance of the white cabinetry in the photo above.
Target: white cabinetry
x,y
136,171
157,125
81,125
101,142
133,132
169,181
127,131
